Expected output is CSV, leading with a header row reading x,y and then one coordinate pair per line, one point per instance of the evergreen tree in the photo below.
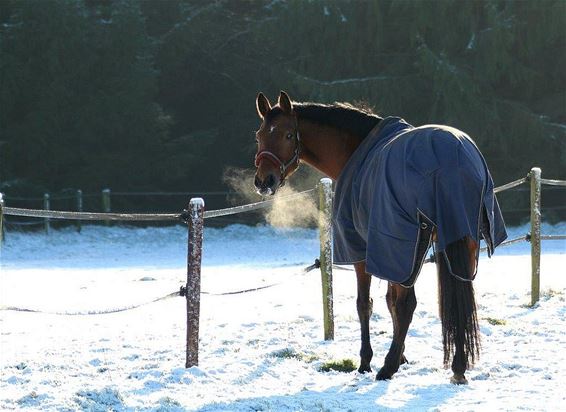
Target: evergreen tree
x,y
159,94
79,103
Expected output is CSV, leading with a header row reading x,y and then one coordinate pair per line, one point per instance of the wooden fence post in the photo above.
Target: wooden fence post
x,y
79,208
535,176
106,203
1,218
325,230
46,206
192,291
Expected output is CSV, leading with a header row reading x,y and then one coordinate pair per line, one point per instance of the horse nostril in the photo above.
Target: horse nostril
x,y
270,182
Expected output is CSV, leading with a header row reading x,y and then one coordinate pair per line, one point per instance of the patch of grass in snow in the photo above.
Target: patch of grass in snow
x,y
169,404
344,365
290,353
546,295
31,399
496,322
100,400
21,366
550,293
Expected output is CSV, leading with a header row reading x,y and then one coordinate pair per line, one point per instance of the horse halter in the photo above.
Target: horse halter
x,y
283,166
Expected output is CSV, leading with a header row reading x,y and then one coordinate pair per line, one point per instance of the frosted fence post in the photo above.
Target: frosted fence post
x,y
325,230
106,203
1,218
192,292
535,176
79,208
46,206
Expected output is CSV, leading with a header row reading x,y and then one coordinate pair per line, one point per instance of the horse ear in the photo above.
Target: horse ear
x,y
285,102
262,105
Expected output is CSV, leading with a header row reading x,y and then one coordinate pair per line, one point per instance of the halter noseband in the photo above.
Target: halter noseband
x,y
283,167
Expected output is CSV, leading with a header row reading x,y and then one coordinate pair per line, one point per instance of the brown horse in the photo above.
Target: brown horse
x,y
327,137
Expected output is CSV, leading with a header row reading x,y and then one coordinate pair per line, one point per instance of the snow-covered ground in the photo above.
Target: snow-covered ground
x,y
259,351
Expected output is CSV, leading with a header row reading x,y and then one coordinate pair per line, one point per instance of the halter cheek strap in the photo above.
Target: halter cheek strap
x,y
283,167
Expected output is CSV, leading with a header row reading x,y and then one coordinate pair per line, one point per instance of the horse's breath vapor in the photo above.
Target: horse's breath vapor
x,y
299,211
296,211
242,182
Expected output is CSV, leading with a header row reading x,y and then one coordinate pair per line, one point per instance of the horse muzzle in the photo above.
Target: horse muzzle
x,y
267,186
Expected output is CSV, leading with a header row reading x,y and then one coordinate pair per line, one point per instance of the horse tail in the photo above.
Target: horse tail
x,y
457,306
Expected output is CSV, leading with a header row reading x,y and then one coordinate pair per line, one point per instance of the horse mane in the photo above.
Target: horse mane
x,y
343,116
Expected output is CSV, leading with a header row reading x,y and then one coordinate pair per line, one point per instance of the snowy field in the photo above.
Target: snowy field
x,y
259,351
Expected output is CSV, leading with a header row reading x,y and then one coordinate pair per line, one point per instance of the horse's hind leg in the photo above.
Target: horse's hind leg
x,y
401,303
460,334
364,304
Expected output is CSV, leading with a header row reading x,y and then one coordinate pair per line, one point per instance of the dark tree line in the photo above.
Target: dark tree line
x,y
159,95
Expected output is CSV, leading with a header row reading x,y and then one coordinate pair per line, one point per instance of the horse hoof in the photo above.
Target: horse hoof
x,y
383,375
364,369
458,380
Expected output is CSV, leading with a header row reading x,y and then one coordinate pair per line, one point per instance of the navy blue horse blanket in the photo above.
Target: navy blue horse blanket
x,y
400,185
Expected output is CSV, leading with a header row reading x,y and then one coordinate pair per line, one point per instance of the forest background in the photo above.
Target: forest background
x,y
160,95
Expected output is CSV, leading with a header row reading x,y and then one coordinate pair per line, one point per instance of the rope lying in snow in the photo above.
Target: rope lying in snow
x,y
181,292
315,265
90,312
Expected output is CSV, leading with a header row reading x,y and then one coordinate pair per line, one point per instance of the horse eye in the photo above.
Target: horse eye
x,y
289,136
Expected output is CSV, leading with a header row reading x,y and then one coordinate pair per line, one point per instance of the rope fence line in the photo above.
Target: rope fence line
x,y
553,182
54,214
59,214
253,206
553,237
527,237
511,185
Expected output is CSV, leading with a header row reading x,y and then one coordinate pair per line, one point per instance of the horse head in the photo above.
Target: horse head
x,y
278,143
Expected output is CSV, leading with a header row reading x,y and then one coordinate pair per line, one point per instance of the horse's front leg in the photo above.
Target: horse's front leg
x,y
364,304
401,303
